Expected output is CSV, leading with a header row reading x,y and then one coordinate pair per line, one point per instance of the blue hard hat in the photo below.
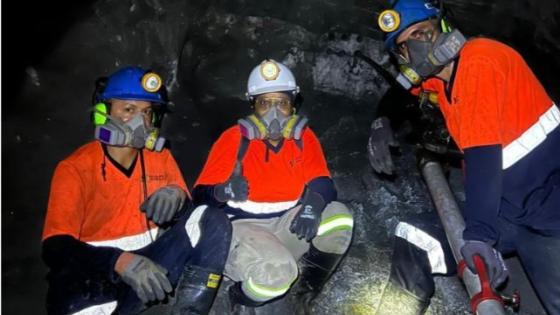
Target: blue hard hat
x,y
129,83
410,12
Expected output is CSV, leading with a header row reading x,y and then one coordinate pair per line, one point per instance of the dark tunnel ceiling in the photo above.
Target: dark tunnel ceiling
x,y
531,27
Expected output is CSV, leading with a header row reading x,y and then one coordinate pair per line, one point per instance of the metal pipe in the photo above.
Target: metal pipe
x,y
454,224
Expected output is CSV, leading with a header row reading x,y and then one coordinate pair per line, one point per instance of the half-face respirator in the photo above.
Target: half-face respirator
x,y
274,125
426,58
132,133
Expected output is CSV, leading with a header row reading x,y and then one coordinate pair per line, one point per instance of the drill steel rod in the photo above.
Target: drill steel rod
x,y
454,224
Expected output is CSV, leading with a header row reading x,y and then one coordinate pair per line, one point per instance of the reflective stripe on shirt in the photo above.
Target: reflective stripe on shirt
x,y
262,207
129,243
530,139
100,309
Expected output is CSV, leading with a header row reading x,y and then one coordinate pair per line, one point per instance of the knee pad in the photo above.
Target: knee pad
x,y
269,280
335,230
264,292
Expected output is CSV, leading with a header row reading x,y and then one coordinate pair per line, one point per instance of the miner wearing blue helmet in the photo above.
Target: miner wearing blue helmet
x,y
506,127
120,234
410,12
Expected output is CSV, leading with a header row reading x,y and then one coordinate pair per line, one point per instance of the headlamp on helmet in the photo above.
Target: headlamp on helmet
x,y
403,14
389,20
269,70
426,57
271,76
151,82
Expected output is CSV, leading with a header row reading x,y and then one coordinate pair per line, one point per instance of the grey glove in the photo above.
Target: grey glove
x,y
163,204
381,137
495,267
235,188
306,222
146,278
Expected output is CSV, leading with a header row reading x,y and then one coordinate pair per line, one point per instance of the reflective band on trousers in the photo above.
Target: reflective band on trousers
x,y
192,226
426,242
531,138
336,222
262,207
129,243
101,309
265,292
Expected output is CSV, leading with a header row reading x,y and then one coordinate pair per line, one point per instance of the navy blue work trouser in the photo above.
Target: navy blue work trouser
x,y
172,250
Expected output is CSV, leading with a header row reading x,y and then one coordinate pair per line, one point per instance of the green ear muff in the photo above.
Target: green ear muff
x,y
445,28
157,117
99,114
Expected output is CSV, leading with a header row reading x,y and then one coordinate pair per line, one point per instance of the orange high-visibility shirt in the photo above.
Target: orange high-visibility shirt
x,y
93,201
276,179
495,99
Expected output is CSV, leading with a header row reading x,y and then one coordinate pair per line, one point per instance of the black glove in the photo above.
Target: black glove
x,y
163,204
146,278
235,188
306,222
381,137
495,267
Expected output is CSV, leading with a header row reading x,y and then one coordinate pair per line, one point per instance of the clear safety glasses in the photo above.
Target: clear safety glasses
x,y
264,104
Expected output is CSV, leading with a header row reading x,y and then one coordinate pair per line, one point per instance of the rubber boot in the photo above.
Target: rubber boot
x,y
315,268
396,300
240,303
196,291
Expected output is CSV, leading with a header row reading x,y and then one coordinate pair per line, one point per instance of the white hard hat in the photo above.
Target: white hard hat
x,y
270,76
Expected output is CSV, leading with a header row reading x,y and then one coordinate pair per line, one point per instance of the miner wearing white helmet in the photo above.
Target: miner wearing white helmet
x,y
270,176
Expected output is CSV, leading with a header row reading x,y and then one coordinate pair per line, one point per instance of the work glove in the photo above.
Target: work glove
x,y
144,276
163,204
381,137
235,188
306,222
495,267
